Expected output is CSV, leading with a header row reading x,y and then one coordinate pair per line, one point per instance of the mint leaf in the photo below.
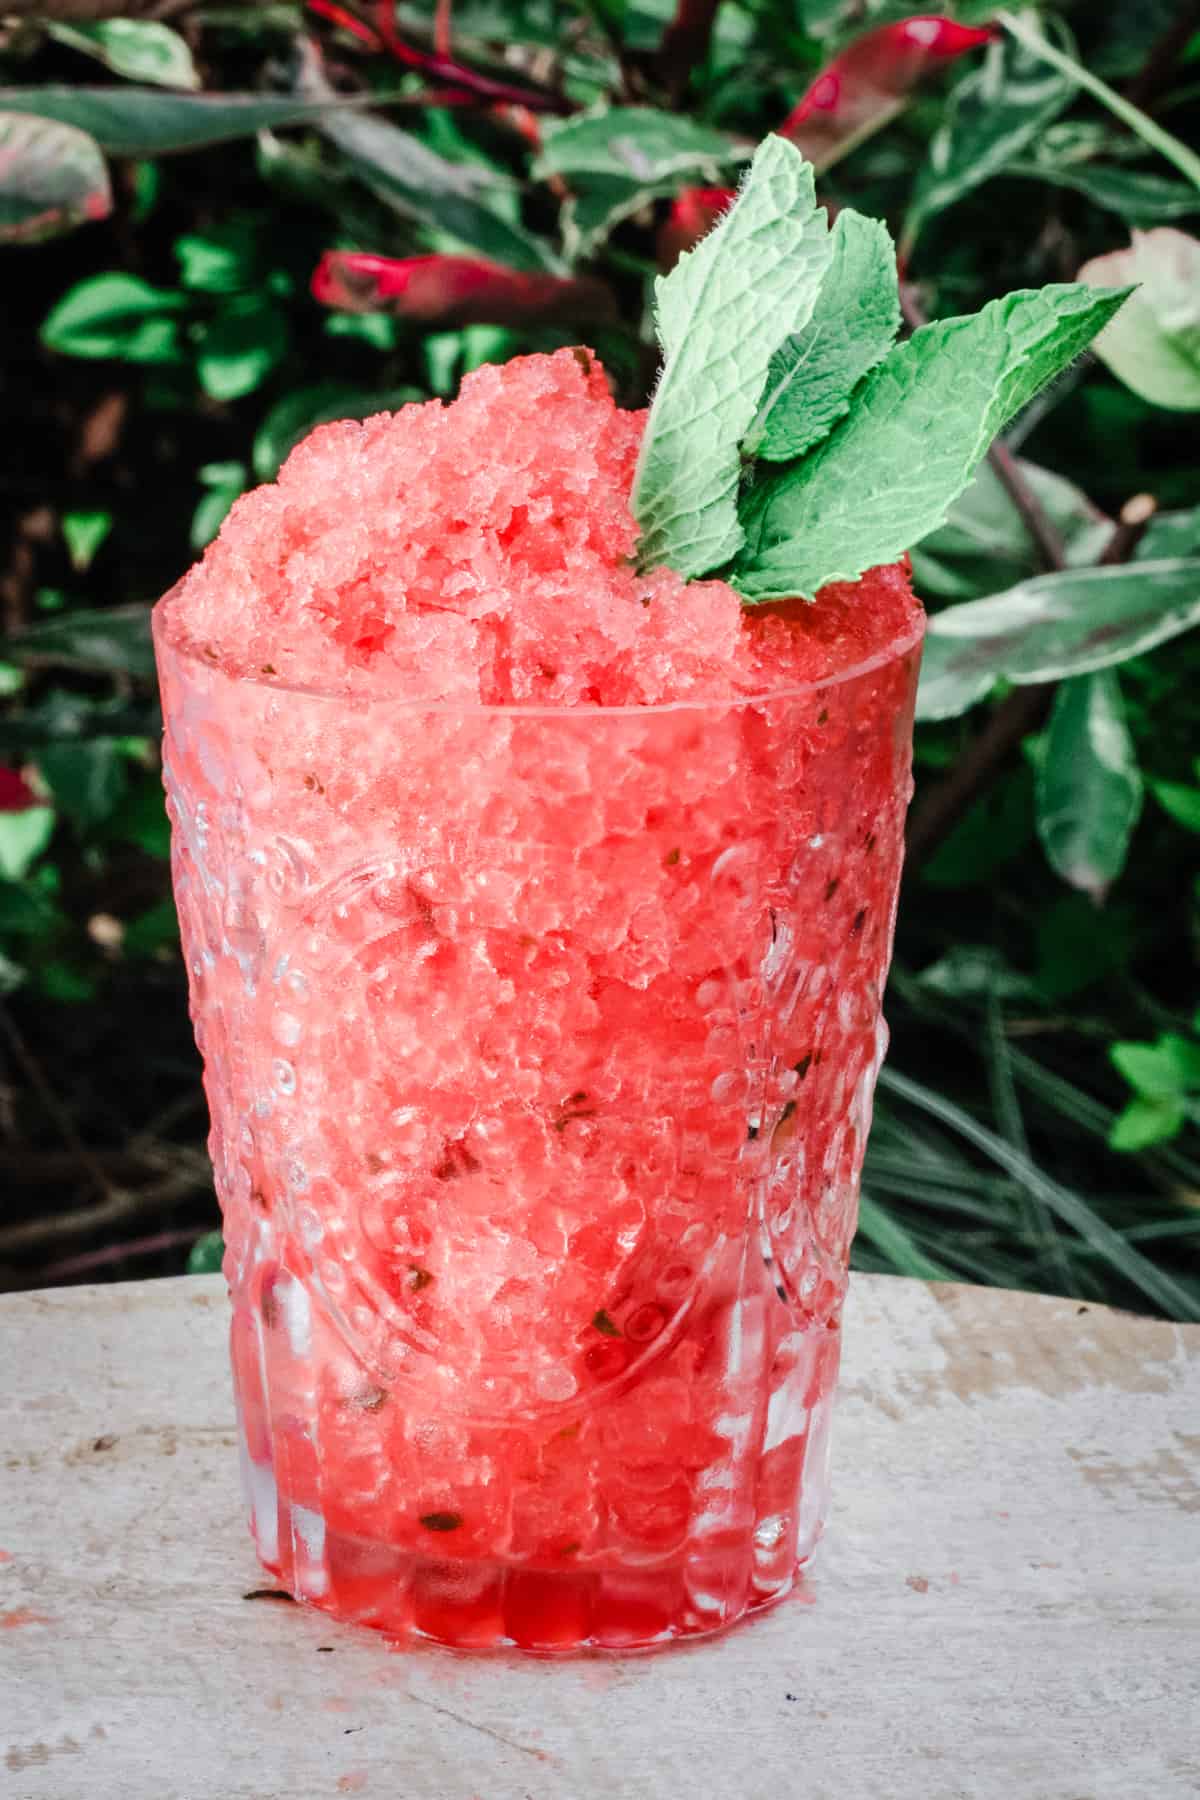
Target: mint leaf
x,y
813,372
921,422
721,312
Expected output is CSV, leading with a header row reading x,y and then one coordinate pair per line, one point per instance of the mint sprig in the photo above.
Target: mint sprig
x,y
867,454
722,311
814,372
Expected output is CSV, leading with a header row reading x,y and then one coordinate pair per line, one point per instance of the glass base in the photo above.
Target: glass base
x,y
479,1604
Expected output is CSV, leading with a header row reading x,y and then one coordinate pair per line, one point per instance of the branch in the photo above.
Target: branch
x,y
944,804
1163,60
685,43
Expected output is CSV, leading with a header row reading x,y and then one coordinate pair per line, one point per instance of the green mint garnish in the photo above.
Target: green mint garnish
x,y
918,428
722,311
814,371
775,336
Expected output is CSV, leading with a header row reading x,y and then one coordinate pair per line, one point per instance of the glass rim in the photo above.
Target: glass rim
x,y
181,645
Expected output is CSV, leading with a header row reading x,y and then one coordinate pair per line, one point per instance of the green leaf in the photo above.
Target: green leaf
x,y
722,311
52,178
224,259
1067,623
1170,534
985,545
114,638
153,931
598,204
921,422
299,412
88,781
449,197
115,315
204,1257
813,373
1145,1123
84,532
224,482
139,49
1153,1070
1079,946
1138,198
142,121
1089,787
23,837
993,113
1024,28
883,1229
638,144
1181,801
1153,345
141,817
239,349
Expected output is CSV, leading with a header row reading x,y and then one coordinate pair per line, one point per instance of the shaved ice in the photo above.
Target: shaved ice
x,y
537,914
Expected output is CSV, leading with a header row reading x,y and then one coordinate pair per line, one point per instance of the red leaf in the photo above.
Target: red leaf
x,y
16,795
449,291
446,68
694,212
864,87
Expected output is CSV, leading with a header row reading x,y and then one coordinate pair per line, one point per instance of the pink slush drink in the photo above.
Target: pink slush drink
x,y
536,914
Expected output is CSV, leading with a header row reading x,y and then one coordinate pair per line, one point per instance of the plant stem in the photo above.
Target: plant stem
x,y
1167,145
685,43
1164,56
1022,711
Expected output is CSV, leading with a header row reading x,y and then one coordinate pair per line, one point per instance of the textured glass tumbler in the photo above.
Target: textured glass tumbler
x,y
540,1048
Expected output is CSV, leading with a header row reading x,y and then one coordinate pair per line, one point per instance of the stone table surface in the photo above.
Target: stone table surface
x,y
1005,1606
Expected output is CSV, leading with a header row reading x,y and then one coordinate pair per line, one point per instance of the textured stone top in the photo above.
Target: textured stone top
x,y
1005,1604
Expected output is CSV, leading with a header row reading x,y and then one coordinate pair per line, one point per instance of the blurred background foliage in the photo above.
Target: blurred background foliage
x,y
222,223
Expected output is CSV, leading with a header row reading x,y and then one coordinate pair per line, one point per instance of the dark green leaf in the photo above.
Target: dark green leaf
x,y
451,198
1181,801
141,818
995,111
115,315
1079,946
1089,787
23,837
52,178
115,638
153,931
224,259
204,1257
1067,623
239,349
998,828
88,780
1170,534
1139,199
141,121
139,49
635,144
985,545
